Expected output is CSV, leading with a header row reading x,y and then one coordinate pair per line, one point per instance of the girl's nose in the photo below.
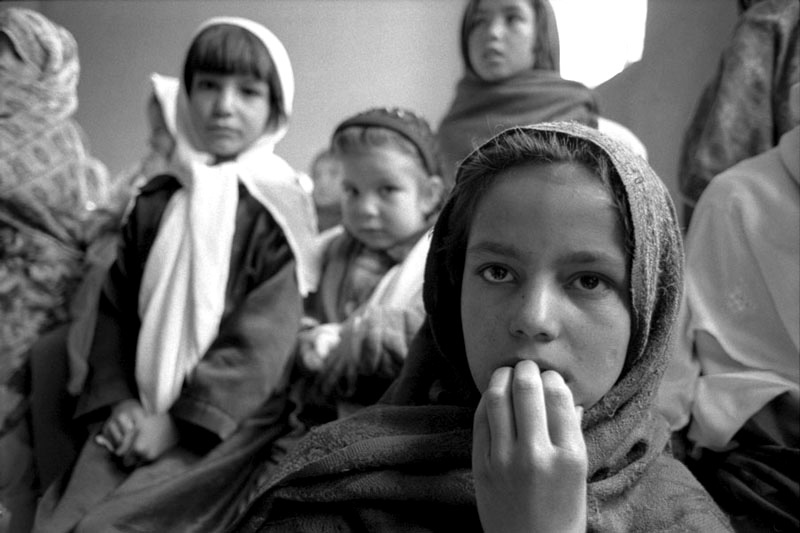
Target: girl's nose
x,y
535,316
225,100
495,28
367,205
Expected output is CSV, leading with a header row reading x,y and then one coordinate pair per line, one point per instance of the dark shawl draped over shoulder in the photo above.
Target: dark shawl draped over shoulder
x,y
481,109
384,468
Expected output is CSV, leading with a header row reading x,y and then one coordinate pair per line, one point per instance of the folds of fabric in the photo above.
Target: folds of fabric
x,y
481,109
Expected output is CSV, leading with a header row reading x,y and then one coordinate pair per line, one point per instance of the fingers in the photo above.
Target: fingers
x,y
500,413
563,418
524,406
529,405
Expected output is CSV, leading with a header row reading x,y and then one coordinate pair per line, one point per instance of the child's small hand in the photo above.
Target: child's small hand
x,y
120,428
529,458
317,343
156,435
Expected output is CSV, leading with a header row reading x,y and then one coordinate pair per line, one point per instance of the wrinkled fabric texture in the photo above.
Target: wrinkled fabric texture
x,y
375,469
231,413
746,107
482,109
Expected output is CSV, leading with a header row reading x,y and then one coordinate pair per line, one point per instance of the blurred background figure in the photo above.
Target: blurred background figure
x,y
326,173
52,198
732,390
746,107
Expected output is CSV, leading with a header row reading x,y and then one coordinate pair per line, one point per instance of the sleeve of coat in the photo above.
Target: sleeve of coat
x,y
249,361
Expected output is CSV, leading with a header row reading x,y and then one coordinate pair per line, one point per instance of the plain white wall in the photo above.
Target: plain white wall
x,y
349,55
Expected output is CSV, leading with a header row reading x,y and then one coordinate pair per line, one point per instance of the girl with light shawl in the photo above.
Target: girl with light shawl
x,y
198,316
558,318
50,192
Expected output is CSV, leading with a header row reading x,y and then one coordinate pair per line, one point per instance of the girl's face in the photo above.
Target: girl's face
x,y
502,39
386,197
229,111
546,279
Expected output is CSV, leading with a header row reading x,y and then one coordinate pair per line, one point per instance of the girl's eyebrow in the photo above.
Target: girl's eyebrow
x,y
496,248
581,257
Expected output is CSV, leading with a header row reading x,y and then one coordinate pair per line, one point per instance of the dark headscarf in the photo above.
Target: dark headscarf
x,y
481,109
367,463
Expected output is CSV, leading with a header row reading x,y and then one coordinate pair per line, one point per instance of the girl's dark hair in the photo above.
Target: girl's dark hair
x,y
546,49
516,147
230,49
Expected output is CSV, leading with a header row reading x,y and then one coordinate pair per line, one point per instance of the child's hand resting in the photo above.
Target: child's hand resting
x,y
528,455
317,343
157,434
136,437
119,430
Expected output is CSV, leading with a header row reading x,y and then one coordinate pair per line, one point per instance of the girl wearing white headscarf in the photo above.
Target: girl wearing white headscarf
x,y
189,364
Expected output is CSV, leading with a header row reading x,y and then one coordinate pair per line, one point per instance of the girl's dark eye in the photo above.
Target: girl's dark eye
x,y
589,283
495,274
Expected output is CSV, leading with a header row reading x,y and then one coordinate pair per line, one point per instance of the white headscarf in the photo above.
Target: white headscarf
x,y
182,296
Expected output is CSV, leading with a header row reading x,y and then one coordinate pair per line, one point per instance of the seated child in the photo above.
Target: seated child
x,y
733,386
369,302
199,313
326,173
552,285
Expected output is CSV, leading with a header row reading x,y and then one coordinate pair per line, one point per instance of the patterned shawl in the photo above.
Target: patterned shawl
x,y
50,189
748,104
418,448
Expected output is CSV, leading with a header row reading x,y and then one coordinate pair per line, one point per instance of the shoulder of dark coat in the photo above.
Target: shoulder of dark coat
x,y
159,182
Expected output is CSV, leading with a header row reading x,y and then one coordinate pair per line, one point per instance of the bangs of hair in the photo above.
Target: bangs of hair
x,y
227,49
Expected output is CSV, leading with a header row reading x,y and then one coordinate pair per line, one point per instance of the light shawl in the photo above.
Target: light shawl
x,y
182,297
415,447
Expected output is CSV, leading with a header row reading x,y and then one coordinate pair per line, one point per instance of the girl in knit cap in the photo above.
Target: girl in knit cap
x,y
188,369
369,304
551,286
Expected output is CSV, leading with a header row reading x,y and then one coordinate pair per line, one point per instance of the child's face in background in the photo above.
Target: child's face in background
x,y
229,111
161,140
546,279
385,197
327,176
502,39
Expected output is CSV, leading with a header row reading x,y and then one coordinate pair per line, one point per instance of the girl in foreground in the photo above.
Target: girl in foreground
x,y
551,288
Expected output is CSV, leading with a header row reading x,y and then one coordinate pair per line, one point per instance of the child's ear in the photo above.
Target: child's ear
x,y
434,189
